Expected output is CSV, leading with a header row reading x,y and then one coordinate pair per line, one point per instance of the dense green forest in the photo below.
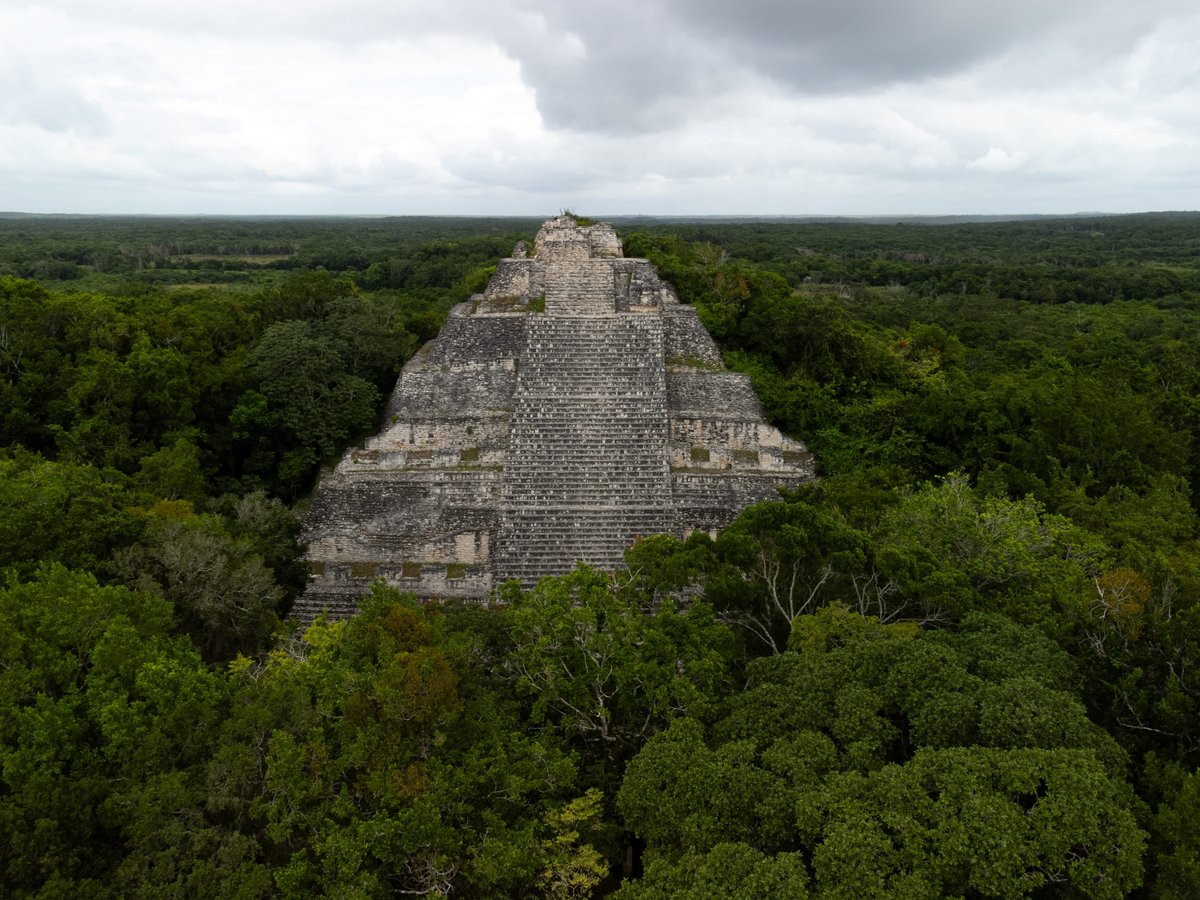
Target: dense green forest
x,y
962,664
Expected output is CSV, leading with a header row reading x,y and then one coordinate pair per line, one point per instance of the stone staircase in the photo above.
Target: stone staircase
x,y
587,471
578,286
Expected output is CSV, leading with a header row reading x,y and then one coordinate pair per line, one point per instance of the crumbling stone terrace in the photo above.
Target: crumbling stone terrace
x,y
570,409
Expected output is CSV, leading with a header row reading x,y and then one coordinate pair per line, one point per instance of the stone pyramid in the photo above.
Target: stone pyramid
x,y
570,409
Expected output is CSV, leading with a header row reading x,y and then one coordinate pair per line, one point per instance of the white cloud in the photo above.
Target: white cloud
x,y
636,106
997,160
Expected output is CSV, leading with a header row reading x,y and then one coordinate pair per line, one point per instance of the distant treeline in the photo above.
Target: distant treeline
x,y
408,251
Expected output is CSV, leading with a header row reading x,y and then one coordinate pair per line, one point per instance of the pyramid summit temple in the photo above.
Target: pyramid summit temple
x,y
570,409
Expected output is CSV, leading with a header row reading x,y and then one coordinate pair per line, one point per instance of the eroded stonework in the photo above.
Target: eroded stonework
x,y
570,409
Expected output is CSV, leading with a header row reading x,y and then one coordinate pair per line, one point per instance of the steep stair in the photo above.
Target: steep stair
x,y
579,287
587,471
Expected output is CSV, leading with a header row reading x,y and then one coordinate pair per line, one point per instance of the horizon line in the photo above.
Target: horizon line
x,y
598,216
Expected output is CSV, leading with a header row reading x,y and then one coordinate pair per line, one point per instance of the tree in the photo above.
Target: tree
x,y
172,473
662,566
72,513
1174,844
971,820
572,869
364,764
895,762
734,870
599,667
953,549
305,400
789,555
106,725
223,594
270,530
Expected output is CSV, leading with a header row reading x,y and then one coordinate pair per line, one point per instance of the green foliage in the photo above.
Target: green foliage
x,y
1006,420
223,594
172,473
1174,843
661,565
598,666
572,869
366,766
305,400
788,555
70,513
733,870
993,823
106,724
895,763
956,551
581,221
269,530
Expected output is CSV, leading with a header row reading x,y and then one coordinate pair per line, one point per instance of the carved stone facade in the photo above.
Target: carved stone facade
x,y
570,409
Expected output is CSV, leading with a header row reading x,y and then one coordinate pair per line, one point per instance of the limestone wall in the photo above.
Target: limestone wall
x,y
703,393
687,341
468,338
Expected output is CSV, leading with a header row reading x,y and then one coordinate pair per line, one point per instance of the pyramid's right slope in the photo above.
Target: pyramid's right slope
x,y
570,409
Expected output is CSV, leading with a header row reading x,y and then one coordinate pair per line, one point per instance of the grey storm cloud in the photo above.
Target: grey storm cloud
x,y
632,65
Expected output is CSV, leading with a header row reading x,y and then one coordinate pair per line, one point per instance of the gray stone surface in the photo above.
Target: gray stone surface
x,y
571,408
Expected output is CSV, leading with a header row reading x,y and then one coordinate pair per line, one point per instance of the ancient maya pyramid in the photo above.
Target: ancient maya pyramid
x,y
570,409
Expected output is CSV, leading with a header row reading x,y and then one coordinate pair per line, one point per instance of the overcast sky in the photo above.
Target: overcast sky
x,y
685,107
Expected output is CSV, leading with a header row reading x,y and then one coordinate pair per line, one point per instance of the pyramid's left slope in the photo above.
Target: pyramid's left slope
x,y
419,503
